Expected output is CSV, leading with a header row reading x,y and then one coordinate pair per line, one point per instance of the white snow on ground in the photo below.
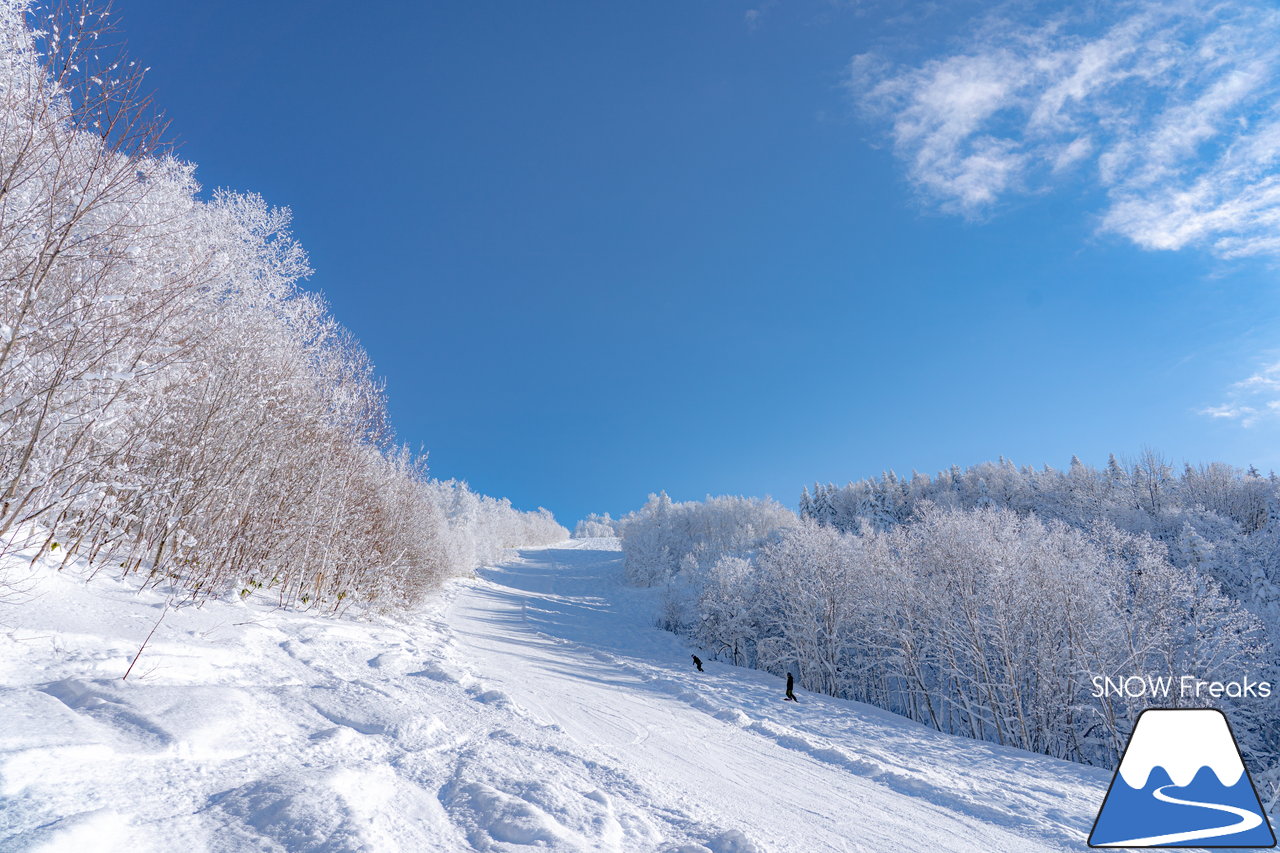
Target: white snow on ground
x,y
533,707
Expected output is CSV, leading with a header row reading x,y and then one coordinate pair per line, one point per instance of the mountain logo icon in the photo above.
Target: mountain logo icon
x,y
1182,783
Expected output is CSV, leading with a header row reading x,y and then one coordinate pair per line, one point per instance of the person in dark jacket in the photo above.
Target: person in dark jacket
x,y
697,661
791,691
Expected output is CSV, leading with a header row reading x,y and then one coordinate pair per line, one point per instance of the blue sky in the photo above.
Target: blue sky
x,y
598,250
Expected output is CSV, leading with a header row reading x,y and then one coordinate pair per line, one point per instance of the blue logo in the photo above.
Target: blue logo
x,y
1182,783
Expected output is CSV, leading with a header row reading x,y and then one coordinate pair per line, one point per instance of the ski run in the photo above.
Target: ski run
x,y
533,707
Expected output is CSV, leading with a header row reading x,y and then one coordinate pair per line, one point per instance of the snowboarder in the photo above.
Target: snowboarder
x,y
697,661
791,692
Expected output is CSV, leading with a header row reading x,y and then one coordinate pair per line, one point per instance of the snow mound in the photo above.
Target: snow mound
x,y
494,816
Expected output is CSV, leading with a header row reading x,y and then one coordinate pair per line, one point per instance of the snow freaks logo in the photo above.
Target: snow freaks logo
x,y
1182,783
1188,687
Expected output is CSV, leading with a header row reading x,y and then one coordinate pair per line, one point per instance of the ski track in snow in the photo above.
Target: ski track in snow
x,y
534,707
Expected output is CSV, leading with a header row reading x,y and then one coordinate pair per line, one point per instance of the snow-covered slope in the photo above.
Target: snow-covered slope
x,y
533,707
561,634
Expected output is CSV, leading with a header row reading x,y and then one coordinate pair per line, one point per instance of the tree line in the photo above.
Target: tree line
x,y
983,602
173,405
1216,518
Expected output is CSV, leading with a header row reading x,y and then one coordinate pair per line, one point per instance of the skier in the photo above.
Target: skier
x,y
791,693
697,661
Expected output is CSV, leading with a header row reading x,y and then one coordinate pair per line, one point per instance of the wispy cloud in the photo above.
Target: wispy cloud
x,y
1251,400
754,15
1171,108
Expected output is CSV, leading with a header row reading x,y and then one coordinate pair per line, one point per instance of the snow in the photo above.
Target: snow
x,y
534,707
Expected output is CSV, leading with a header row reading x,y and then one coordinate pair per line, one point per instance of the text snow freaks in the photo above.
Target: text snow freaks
x,y
1185,687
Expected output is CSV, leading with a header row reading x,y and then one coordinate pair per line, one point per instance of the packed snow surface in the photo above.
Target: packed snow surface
x,y
534,707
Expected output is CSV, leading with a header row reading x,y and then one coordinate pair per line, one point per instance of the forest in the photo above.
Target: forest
x,y
983,601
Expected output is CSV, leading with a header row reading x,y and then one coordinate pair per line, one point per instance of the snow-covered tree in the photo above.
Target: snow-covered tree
x,y
595,526
656,537
172,403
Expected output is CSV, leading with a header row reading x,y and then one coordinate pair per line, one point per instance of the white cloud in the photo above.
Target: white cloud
x,y
1168,107
1251,400
754,16
939,129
